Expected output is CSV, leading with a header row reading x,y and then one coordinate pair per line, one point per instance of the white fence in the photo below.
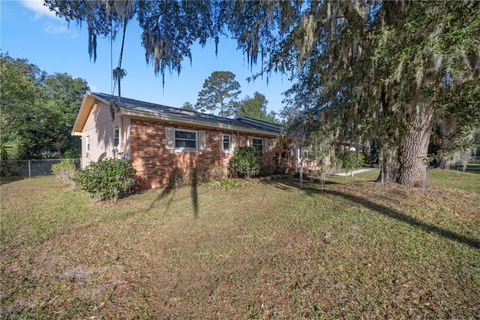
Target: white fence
x,y
32,168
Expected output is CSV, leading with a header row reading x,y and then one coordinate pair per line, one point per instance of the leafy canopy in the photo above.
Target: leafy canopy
x,y
218,94
37,110
255,107
364,69
188,106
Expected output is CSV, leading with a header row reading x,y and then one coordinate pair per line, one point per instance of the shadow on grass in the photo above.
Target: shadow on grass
x,y
194,192
389,212
170,189
9,179
285,184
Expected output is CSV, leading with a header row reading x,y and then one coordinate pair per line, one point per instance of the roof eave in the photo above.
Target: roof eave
x,y
196,122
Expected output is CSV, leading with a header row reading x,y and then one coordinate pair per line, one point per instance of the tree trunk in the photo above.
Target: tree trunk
x,y
444,163
413,148
388,165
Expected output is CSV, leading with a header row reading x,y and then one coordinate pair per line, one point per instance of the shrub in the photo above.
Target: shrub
x,y
9,150
65,171
245,162
107,179
351,159
71,154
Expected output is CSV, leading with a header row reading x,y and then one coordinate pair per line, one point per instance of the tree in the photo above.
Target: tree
x,y
38,110
9,150
255,107
188,106
364,69
453,134
385,76
219,92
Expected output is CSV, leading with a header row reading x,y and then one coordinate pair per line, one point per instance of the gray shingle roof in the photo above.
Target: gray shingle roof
x,y
162,110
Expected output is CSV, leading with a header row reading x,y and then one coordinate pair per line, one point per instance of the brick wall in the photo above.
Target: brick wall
x,y
156,164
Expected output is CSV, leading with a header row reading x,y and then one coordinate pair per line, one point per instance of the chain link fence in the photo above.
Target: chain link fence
x,y
32,168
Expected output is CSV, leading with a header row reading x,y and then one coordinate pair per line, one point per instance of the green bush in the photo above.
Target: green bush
x,y
107,179
351,159
246,162
71,154
65,171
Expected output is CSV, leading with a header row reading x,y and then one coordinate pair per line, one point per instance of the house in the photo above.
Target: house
x,y
163,141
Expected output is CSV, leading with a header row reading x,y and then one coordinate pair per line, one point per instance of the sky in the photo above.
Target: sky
x,y
29,30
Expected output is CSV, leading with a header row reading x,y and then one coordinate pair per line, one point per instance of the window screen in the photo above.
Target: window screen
x,y
185,139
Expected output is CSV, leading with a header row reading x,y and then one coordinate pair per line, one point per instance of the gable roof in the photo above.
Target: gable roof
x,y
145,109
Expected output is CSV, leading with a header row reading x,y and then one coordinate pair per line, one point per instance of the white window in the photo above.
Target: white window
x,y
185,139
87,143
226,142
116,137
257,143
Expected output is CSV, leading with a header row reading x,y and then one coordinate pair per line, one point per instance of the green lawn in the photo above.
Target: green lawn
x,y
353,249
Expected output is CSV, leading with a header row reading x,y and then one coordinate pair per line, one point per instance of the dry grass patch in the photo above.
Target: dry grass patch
x,y
264,250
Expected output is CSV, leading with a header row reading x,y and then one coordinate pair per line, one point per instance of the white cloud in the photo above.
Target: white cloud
x,y
55,29
39,9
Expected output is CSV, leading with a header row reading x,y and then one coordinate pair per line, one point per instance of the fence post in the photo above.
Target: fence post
x,y
29,169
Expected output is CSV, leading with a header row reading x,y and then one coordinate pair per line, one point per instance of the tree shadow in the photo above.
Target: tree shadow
x,y
9,179
285,184
169,189
194,191
391,213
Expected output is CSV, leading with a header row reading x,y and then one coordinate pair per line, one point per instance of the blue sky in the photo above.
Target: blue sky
x,y
29,30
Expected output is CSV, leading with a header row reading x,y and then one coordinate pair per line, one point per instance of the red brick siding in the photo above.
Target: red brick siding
x,y
155,163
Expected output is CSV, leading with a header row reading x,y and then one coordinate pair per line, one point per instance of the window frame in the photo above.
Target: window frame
x,y
261,139
230,144
184,148
115,130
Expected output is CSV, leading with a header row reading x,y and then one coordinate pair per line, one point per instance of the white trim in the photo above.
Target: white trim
x,y
230,142
185,149
115,127
263,143
169,118
197,123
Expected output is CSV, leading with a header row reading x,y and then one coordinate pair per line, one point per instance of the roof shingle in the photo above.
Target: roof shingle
x,y
159,110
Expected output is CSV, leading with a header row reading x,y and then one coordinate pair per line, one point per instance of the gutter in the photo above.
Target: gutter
x,y
197,123
179,120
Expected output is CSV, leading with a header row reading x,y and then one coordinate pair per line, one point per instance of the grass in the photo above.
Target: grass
x,y
354,249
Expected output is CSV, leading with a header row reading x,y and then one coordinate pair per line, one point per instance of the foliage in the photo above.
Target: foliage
x,y
362,69
107,179
188,106
246,162
65,171
71,154
225,184
384,74
256,108
454,126
351,159
37,108
9,150
219,91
